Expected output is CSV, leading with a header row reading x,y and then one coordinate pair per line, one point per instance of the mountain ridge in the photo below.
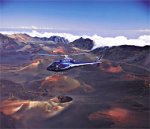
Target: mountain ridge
x,y
25,38
125,53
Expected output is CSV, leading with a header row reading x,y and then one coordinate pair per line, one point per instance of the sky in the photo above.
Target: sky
x,y
107,18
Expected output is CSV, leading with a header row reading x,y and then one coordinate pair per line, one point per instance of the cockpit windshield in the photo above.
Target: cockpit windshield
x,y
61,66
54,64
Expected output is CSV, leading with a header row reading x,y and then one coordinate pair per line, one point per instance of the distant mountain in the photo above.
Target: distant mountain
x,y
86,44
55,39
25,43
7,43
16,43
125,53
58,39
21,38
24,38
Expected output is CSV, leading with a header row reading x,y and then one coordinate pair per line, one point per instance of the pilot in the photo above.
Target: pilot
x,y
72,61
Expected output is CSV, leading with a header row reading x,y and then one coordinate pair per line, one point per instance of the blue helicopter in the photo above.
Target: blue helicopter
x,y
68,63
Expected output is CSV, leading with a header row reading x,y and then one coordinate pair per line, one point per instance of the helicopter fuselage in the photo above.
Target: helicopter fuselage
x,y
63,65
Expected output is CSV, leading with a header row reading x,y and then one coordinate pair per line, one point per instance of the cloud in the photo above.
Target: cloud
x,y
68,36
144,30
25,27
99,41
120,40
33,28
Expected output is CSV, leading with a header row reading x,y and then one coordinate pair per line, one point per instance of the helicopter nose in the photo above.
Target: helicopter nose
x,y
48,68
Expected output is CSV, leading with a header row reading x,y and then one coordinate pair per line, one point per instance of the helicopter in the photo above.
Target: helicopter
x,y
68,63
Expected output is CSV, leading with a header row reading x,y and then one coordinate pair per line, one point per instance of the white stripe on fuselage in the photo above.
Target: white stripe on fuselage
x,y
83,64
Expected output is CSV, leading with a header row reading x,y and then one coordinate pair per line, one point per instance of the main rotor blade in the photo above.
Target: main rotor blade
x,y
41,54
76,54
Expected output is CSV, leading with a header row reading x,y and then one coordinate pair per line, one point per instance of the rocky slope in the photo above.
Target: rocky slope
x,y
7,44
82,43
26,43
125,53
114,94
24,38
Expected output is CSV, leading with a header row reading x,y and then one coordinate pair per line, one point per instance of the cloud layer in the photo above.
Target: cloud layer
x,y
99,41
